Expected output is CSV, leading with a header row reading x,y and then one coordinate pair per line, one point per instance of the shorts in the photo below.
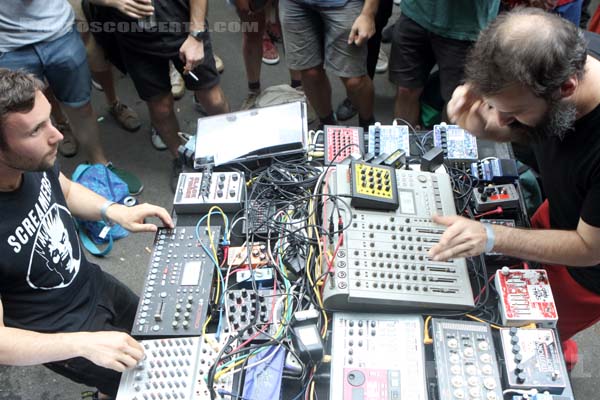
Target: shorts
x,y
316,36
95,54
116,310
63,64
415,51
150,73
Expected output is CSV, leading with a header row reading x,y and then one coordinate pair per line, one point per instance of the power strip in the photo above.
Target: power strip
x,y
525,297
197,192
489,197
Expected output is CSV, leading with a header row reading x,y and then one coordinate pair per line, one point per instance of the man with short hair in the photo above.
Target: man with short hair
x,y
57,308
530,79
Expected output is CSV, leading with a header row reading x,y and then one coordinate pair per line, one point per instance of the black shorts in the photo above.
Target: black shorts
x,y
416,50
150,73
115,312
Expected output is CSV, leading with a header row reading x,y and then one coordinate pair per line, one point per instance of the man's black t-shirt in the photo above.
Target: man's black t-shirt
x,y
570,170
172,29
46,283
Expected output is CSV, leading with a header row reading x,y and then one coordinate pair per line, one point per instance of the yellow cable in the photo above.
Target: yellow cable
x,y
428,339
480,320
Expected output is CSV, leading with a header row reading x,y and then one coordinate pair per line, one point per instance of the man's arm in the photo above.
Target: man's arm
x,y
114,350
191,51
131,8
86,204
364,25
467,238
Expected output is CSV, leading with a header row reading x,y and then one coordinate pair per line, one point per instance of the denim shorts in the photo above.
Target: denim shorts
x,y
61,62
315,35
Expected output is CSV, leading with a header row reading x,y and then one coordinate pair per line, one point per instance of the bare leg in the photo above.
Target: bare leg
x,y
106,80
361,94
85,127
213,100
406,105
163,119
318,90
252,45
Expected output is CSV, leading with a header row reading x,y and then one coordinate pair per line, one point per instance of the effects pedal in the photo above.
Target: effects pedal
x,y
197,192
525,297
387,139
373,186
497,171
238,256
382,262
489,197
176,292
377,357
465,360
533,359
457,143
248,307
342,142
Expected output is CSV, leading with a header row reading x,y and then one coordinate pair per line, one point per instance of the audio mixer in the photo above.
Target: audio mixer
x,y
387,139
377,357
465,360
383,259
173,369
176,292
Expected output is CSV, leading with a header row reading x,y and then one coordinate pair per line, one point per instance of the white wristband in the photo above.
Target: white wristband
x,y
103,209
491,237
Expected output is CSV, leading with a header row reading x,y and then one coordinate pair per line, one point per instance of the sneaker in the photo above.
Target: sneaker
x,y
177,169
69,146
270,55
157,141
250,101
345,110
274,31
125,116
219,63
133,182
382,62
177,84
97,86
198,107
397,2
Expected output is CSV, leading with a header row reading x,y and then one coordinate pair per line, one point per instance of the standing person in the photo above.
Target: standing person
x,y
57,308
332,35
549,96
430,32
146,54
57,55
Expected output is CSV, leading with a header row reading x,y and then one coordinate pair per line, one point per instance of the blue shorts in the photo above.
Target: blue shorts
x,y
61,62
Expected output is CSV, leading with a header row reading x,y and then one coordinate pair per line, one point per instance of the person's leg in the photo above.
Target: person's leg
x,y
348,61
384,12
303,42
164,120
451,56
411,60
252,49
68,146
